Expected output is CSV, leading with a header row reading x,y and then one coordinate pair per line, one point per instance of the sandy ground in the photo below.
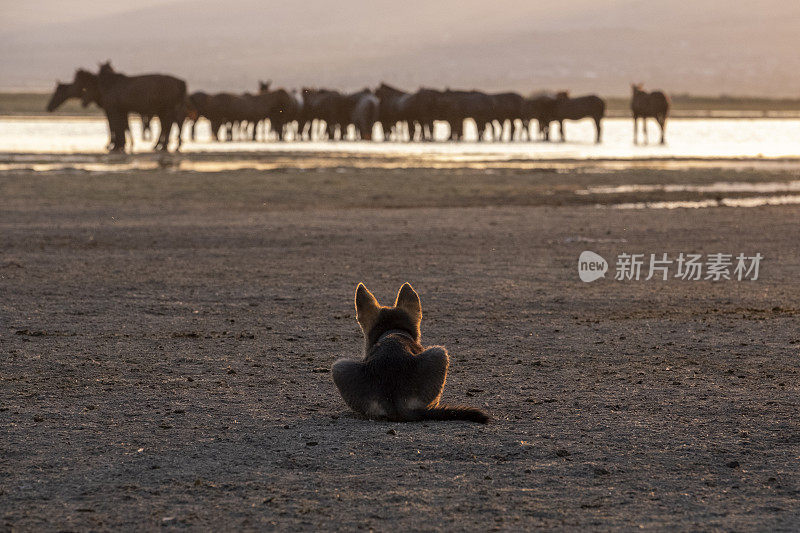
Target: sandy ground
x,y
166,338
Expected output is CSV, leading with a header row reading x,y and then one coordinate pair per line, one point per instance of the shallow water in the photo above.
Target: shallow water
x,y
755,201
686,138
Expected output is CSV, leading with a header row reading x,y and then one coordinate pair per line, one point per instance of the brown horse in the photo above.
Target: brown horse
x,y
645,105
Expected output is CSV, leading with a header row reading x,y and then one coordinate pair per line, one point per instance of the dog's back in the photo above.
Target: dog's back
x,y
398,379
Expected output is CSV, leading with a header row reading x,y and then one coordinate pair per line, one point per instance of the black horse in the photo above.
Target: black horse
x,y
150,94
506,108
568,108
541,108
67,91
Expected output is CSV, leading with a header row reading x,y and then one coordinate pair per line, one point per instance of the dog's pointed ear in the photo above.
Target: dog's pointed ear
x,y
408,301
367,307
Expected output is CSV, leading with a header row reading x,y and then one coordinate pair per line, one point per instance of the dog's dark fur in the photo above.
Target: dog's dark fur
x,y
398,379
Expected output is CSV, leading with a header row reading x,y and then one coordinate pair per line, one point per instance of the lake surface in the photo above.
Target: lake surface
x,y
686,138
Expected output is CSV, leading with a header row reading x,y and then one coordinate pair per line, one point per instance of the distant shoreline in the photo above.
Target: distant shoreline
x,y
30,104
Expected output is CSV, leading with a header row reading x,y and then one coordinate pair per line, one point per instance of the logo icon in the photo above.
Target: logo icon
x,y
591,266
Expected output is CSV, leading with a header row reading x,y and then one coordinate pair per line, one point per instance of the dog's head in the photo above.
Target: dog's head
x,y
375,319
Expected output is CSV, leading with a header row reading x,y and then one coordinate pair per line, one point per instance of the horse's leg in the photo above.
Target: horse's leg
x,y
561,131
111,133
179,124
125,128
117,122
663,123
165,127
120,130
644,129
172,117
599,129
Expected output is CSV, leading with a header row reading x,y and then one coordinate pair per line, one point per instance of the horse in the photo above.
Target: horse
x,y
568,108
222,110
68,91
458,106
645,105
393,110
149,94
541,108
279,107
364,109
506,107
328,106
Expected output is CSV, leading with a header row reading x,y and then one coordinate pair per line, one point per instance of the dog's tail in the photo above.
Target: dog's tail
x,y
454,412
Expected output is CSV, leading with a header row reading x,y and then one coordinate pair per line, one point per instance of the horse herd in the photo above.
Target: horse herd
x,y
319,114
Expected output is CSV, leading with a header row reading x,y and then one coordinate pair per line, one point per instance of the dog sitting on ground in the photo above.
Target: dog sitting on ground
x,y
398,379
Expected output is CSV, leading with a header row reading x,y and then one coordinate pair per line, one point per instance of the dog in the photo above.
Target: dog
x,y
398,379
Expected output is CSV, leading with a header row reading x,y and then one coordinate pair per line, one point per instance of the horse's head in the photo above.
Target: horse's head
x,y
384,91
63,92
637,87
263,86
562,95
106,68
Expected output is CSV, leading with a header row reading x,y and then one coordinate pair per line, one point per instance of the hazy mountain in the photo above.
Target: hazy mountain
x,y
705,46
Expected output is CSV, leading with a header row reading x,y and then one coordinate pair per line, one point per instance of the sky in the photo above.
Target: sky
x,y
707,47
